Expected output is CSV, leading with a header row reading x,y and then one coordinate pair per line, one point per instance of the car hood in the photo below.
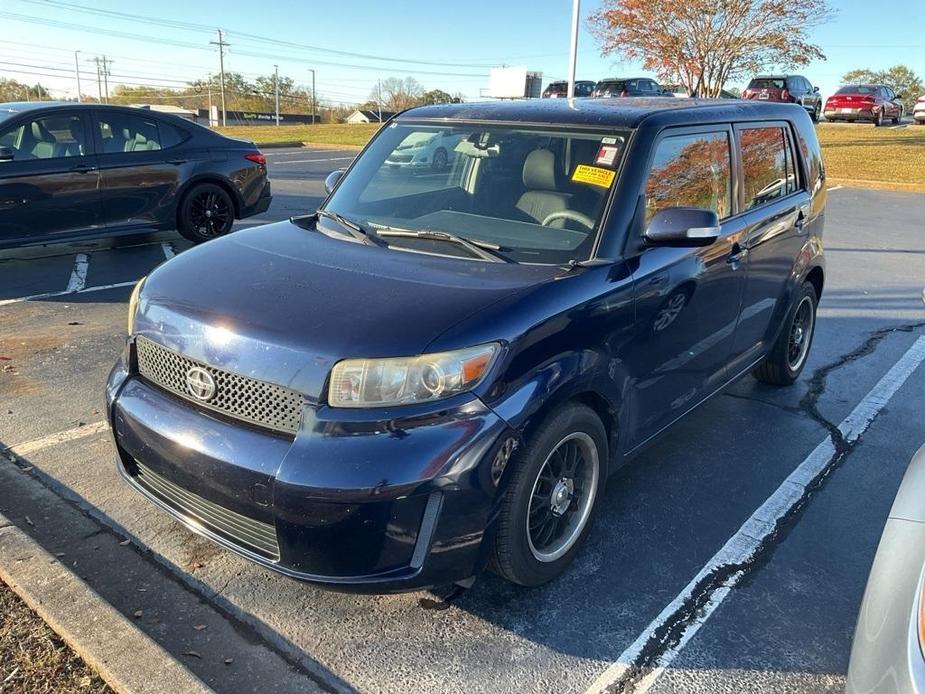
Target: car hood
x,y
282,304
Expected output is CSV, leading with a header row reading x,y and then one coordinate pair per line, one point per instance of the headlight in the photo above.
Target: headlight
x,y
133,305
407,380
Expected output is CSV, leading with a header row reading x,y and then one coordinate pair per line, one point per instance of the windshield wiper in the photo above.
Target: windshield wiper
x,y
357,231
480,249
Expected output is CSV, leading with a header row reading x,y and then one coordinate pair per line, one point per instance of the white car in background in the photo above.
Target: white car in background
x,y
918,111
423,150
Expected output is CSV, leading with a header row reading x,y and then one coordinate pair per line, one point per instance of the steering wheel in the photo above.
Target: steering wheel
x,y
582,219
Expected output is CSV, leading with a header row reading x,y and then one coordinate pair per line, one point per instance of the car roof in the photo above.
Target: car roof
x,y
623,79
622,113
14,108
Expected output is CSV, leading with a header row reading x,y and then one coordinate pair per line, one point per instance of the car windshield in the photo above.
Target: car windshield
x,y
857,89
524,194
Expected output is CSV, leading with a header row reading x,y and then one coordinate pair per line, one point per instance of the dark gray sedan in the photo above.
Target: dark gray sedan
x,y
887,655
70,172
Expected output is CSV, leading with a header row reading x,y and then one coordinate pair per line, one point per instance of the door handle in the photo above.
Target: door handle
x,y
738,254
176,162
83,168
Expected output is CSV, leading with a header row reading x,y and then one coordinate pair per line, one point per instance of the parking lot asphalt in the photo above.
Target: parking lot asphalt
x,y
782,621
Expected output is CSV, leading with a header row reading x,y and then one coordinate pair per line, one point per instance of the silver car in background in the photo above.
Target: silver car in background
x,y
888,654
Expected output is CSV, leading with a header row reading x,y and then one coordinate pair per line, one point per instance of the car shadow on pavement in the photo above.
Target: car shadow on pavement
x,y
225,653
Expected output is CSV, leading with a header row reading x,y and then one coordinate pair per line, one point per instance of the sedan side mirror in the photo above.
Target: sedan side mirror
x,y
6,154
815,90
332,180
683,226
897,97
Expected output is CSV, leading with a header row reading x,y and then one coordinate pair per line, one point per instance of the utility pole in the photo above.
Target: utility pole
x,y
311,70
77,75
210,101
573,52
99,79
106,64
276,88
379,97
221,66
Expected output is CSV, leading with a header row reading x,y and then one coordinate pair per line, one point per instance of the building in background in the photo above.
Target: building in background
x,y
369,117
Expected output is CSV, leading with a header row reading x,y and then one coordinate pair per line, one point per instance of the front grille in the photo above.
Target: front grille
x,y
247,399
401,158
248,533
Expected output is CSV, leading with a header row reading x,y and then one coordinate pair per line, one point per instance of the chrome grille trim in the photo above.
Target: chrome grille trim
x,y
245,532
247,399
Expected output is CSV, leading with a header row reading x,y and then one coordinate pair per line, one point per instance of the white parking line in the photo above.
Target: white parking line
x,y
742,546
169,252
301,151
51,295
835,188
79,274
23,449
307,161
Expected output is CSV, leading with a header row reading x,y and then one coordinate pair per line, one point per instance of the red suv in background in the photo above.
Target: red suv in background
x,y
873,102
794,89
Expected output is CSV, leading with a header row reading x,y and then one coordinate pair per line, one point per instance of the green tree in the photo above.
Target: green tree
x,y
435,96
11,90
901,78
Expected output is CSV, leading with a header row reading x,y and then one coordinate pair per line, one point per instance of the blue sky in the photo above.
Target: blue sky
x,y
458,40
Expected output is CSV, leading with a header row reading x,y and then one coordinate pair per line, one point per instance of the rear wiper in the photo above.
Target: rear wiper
x,y
481,249
356,230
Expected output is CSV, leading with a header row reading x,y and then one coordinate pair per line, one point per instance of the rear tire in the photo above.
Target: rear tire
x,y
878,119
788,356
551,496
206,212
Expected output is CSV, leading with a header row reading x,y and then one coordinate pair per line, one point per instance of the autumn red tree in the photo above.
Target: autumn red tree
x,y
704,43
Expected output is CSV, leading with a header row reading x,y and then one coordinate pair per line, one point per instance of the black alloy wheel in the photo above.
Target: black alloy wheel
x,y
206,213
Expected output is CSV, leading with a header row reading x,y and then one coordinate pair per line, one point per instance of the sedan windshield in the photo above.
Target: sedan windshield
x,y
514,193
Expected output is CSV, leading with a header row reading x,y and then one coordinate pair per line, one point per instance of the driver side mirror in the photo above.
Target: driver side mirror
x,y
332,180
683,226
897,97
6,154
815,90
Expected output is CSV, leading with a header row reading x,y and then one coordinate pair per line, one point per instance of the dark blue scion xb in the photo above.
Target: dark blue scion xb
x,y
437,370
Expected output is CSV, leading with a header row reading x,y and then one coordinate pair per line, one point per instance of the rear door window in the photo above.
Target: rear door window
x,y
691,170
767,83
768,165
125,133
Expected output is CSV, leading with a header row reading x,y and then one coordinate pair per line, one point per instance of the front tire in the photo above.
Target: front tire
x,y
788,356
551,497
440,160
206,212
878,119
814,116
899,117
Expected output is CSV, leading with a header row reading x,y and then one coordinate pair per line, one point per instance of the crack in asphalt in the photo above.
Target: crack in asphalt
x,y
670,633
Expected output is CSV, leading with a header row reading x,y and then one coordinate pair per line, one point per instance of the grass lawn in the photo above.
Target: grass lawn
x,y
859,155
33,660
321,134
868,157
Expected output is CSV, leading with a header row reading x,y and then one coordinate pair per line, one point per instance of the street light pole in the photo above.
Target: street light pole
x,y
77,75
573,51
276,89
313,94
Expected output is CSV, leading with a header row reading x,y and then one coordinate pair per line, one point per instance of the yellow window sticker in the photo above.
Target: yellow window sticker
x,y
594,175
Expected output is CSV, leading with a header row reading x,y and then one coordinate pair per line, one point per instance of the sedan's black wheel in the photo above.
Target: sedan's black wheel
x,y
878,118
206,212
787,358
550,500
814,116
438,163
899,117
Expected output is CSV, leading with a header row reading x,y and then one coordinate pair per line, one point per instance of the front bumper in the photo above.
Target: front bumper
x,y
362,504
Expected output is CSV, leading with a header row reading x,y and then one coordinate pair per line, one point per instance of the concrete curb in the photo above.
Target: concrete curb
x,y
126,658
